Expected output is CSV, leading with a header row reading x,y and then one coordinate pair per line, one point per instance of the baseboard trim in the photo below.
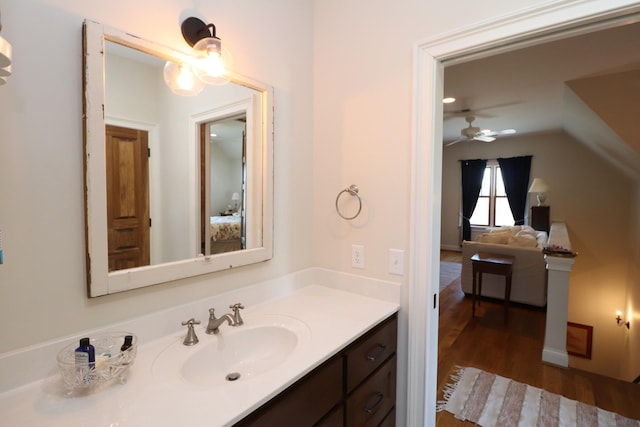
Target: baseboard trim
x,y
555,357
455,248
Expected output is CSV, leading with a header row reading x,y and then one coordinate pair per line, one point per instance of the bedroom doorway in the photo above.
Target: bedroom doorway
x,y
223,184
427,171
128,220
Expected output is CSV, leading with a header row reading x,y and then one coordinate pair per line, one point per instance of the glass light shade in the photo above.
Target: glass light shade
x,y
214,65
5,53
181,80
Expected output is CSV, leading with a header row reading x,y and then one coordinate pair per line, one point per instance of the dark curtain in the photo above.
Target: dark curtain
x,y
515,175
472,173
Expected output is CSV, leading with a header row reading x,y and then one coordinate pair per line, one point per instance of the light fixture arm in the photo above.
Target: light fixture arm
x,y
194,30
622,322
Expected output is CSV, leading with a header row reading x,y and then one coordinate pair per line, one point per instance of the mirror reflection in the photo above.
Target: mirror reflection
x,y
145,215
176,186
223,144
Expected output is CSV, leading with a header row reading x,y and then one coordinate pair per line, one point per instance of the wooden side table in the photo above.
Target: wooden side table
x,y
540,218
502,265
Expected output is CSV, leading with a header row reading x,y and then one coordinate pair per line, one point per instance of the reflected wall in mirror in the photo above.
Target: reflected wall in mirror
x,y
166,199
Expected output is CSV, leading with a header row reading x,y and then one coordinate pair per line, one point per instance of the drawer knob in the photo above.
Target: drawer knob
x,y
379,397
376,352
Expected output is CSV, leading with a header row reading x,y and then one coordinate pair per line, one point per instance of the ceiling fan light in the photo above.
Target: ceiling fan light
x,y
5,71
5,52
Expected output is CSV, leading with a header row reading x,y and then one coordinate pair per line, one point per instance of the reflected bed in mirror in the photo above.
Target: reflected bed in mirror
x,y
175,186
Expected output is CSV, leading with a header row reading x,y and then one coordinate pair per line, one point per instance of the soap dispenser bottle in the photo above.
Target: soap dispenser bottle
x,y
128,341
85,354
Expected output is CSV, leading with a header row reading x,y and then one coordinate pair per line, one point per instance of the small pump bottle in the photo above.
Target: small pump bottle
x,y
128,341
85,354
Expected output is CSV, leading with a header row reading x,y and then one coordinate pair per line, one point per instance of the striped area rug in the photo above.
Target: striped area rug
x,y
491,400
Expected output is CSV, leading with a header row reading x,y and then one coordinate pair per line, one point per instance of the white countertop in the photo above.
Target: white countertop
x,y
334,319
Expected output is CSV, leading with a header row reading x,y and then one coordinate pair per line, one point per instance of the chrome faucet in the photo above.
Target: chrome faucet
x,y
214,323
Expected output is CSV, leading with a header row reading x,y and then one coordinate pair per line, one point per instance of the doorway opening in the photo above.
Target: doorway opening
x,y
544,23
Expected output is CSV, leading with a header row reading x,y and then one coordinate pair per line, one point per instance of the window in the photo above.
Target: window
x,y
492,208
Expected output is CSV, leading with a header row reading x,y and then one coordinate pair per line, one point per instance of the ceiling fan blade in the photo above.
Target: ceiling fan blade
x,y
484,138
499,132
463,113
455,141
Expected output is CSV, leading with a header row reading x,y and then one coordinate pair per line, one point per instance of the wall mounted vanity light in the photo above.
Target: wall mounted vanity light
x,y
5,58
621,321
211,63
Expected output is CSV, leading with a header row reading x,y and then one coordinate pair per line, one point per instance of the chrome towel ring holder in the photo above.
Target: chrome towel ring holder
x,y
352,190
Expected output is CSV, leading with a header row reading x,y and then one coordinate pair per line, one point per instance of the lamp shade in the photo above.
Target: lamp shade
x,y
538,186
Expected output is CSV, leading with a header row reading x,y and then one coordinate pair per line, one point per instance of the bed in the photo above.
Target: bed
x,y
226,233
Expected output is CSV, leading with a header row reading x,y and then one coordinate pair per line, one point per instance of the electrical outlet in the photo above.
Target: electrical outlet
x,y
396,261
357,256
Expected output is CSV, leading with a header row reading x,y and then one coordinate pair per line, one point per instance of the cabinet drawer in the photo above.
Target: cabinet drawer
x,y
334,419
304,403
389,420
371,351
371,402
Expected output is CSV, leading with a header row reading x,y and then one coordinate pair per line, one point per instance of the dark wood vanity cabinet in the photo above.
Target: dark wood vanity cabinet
x,y
356,387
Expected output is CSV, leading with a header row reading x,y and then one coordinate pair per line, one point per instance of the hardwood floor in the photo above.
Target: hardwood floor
x,y
514,350
451,256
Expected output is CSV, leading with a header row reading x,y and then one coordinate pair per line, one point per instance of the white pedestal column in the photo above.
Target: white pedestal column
x,y
555,335
559,267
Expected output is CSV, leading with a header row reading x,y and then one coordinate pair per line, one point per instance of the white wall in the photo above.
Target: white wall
x,y
349,90
595,200
631,309
42,280
226,177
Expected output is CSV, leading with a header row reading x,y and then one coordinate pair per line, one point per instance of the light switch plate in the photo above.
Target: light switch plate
x,y
396,262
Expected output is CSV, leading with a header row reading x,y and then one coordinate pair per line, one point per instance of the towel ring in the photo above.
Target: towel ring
x,y
353,190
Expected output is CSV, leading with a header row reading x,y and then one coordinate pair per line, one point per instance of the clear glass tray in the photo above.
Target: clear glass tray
x,y
111,363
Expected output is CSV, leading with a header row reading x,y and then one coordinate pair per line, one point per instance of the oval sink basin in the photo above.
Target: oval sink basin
x,y
235,354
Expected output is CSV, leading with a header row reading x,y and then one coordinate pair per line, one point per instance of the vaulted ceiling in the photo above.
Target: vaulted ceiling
x,y
587,86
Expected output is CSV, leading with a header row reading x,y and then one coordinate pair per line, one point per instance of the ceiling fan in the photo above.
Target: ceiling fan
x,y
474,133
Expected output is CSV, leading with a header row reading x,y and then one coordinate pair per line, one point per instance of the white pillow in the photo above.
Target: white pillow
x,y
500,238
527,232
523,240
511,230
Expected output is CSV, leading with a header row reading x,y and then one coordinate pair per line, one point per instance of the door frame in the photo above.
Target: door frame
x,y
533,25
248,107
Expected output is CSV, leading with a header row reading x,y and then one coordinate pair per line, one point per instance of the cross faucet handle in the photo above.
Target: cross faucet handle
x,y
237,320
190,338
